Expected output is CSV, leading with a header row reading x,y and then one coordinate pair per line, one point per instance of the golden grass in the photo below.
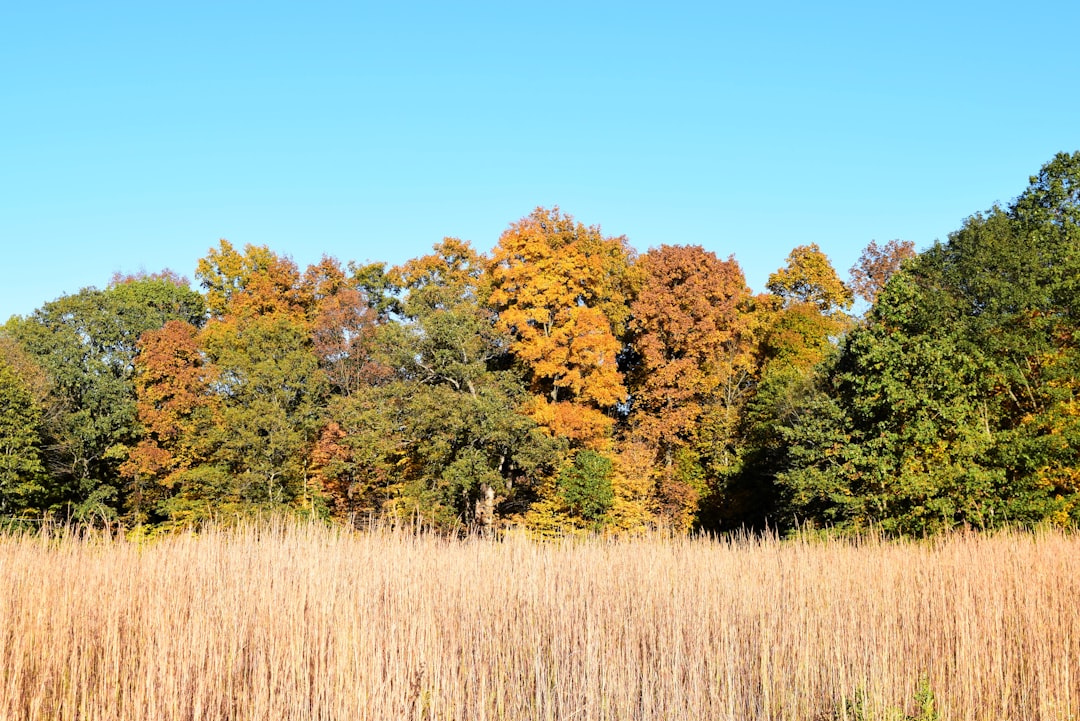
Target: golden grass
x,y
303,622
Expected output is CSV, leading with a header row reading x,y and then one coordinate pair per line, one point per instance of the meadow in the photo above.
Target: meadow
x,y
286,621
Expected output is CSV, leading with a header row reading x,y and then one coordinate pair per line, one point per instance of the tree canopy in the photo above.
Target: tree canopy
x,y
565,383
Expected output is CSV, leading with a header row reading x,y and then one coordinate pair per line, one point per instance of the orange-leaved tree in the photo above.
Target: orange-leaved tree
x,y
693,328
810,305
254,282
177,413
343,327
876,265
561,292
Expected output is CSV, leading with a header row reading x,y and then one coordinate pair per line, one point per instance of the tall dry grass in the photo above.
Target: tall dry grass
x,y
297,622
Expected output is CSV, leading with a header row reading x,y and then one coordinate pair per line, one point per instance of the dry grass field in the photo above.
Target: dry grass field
x,y
304,622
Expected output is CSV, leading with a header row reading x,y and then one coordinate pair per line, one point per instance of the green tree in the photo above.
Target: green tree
x,y
271,394
87,344
230,414
445,439
798,326
22,472
902,441
468,434
585,485
356,461
955,401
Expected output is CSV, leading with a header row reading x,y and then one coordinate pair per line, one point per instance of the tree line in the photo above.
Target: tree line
x,y
564,382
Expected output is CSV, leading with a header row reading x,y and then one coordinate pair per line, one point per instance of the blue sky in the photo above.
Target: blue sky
x,y
135,135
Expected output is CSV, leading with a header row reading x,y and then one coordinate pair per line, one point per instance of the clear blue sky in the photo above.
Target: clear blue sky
x,y
134,135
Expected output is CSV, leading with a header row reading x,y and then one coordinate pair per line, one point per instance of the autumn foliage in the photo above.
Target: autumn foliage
x,y
560,291
565,383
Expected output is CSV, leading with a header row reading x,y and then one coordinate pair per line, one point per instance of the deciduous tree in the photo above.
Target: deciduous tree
x,y
810,305
691,330
876,265
954,403
692,323
179,415
87,344
254,282
452,443
344,322
22,471
561,291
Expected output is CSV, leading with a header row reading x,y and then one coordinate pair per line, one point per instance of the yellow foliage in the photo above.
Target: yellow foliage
x,y
560,291
632,482
584,426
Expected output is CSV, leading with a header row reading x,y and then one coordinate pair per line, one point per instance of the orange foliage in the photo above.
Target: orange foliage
x,y
172,383
582,425
580,357
561,292
327,457
676,502
693,332
807,309
342,327
255,282
877,264
809,277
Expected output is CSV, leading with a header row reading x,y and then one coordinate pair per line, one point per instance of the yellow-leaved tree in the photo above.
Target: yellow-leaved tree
x,y
561,293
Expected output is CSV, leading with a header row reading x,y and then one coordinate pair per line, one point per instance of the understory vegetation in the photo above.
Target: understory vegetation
x,y
312,621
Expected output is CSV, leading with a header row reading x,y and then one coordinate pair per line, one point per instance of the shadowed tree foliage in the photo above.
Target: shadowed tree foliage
x,y
693,335
445,439
22,471
798,325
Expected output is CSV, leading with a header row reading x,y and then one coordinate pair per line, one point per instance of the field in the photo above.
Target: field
x,y
304,622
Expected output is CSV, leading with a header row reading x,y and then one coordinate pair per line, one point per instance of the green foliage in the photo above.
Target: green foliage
x,y
855,709
954,403
358,459
444,440
22,473
585,485
565,383
86,345
272,395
